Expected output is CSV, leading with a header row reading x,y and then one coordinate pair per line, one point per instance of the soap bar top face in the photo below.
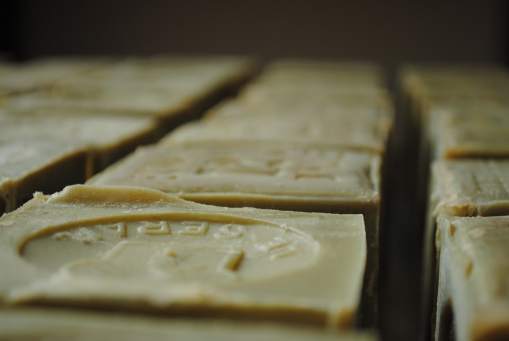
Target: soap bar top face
x,y
127,247
455,80
16,78
302,78
38,324
364,129
471,187
261,102
152,86
243,169
81,128
479,267
467,133
286,71
20,157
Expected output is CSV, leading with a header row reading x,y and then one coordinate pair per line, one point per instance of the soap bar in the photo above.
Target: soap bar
x,y
471,187
471,133
108,136
45,150
474,276
31,164
144,88
21,78
260,104
144,250
364,129
461,188
37,324
276,175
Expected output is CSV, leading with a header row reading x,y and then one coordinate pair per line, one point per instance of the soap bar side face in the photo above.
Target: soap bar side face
x,y
471,187
478,267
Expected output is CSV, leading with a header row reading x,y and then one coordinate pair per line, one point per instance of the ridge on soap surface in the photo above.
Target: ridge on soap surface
x,y
79,246
263,168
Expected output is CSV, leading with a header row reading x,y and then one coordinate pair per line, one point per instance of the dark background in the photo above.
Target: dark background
x,y
389,32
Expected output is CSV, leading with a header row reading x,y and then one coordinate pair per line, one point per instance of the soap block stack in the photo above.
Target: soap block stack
x,y
304,136
463,112
293,167
61,120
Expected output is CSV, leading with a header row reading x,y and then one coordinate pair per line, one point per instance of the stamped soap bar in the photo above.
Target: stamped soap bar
x,y
474,277
140,249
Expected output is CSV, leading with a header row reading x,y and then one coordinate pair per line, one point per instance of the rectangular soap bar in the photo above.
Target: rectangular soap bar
x,y
144,250
21,78
45,150
311,80
461,188
362,128
467,133
474,276
264,103
71,325
143,87
31,164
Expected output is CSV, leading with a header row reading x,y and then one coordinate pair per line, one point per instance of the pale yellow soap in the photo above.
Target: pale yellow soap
x,y
143,250
364,129
44,150
272,175
69,325
470,187
474,276
160,87
464,133
21,78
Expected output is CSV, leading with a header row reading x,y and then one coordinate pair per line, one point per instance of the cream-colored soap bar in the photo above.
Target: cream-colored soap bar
x,y
39,324
471,187
462,188
31,164
266,104
107,137
19,78
363,129
47,149
143,250
284,72
276,175
474,276
142,87
312,81
471,133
